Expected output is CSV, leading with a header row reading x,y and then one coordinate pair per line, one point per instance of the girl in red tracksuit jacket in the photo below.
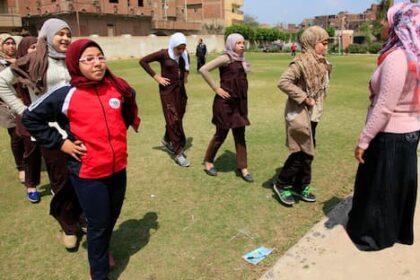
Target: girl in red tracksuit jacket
x,y
95,110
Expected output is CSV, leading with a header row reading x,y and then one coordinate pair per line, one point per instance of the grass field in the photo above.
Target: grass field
x,y
178,223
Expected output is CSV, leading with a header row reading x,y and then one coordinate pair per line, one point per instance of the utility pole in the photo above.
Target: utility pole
x,y
186,10
77,18
165,10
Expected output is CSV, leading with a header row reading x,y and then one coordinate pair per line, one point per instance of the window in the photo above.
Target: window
x,y
140,3
113,1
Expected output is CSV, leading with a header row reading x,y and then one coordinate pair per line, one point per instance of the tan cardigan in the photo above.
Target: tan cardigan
x,y
297,113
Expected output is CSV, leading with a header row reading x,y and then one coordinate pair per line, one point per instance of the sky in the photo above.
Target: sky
x,y
294,11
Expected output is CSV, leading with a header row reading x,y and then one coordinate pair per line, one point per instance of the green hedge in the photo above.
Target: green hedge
x,y
357,48
375,47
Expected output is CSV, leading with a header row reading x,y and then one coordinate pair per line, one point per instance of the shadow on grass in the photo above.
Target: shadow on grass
x,y
269,183
44,190
188,145
130,237
226,162
336,210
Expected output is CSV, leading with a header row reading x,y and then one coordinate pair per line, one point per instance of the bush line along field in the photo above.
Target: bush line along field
x,y
179,223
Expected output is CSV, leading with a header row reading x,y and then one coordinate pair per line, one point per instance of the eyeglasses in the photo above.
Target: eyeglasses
x,y
92,59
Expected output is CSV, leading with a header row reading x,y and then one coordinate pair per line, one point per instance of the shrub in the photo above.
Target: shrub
x,y
357,48
375,47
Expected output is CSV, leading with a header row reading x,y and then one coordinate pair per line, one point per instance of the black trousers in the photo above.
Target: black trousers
x,y
201,60
385,193
101,201
296,171
313,128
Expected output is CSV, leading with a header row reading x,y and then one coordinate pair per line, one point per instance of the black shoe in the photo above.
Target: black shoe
x,y
211,172
307,195
285,194
247,178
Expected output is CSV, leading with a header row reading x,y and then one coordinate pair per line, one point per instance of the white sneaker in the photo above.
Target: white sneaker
x,y
182,160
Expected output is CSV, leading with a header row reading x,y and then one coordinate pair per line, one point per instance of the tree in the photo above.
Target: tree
x,y
245,30
365,28
384,5
331,31
251,21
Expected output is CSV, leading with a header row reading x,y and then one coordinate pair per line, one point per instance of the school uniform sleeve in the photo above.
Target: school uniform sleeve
x,y
153,57
48,108
130,111
208,67
288,84
8,92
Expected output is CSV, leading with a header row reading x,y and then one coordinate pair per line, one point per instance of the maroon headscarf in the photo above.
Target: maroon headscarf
x,y
24,45
21,89
74,52
22,50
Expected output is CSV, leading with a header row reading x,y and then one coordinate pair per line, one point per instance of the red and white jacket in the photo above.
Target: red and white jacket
x,y
94,116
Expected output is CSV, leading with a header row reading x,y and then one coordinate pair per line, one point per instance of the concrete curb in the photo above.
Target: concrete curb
x,y
326,252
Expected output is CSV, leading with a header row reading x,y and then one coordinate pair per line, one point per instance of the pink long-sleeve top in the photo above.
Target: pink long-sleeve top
x,y
393,106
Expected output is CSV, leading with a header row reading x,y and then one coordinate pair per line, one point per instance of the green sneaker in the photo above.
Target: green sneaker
x,y
285,195
307,195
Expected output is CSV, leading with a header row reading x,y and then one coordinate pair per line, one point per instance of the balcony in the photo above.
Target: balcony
x,y
10,20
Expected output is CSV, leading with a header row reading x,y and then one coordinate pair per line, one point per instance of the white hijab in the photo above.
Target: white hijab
x,y
176,40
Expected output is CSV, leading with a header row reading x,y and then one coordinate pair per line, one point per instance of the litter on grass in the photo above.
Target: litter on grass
x,y
257,255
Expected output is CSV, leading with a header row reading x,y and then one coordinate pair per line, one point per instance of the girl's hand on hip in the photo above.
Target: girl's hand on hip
x,y
358,154
75,149
310,101
222,93
162,81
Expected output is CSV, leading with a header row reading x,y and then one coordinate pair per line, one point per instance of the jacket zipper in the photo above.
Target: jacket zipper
x,y
109,132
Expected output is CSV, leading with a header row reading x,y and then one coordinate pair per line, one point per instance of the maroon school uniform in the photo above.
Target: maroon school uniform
x,y
233,112
173,97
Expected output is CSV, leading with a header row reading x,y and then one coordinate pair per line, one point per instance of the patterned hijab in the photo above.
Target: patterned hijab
x,y
231,41
404,21
315,67
3,38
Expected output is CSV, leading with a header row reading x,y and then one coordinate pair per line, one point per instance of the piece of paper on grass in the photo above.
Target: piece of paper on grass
x,y
257,255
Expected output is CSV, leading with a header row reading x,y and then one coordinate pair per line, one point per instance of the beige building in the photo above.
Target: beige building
x,y
233,13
